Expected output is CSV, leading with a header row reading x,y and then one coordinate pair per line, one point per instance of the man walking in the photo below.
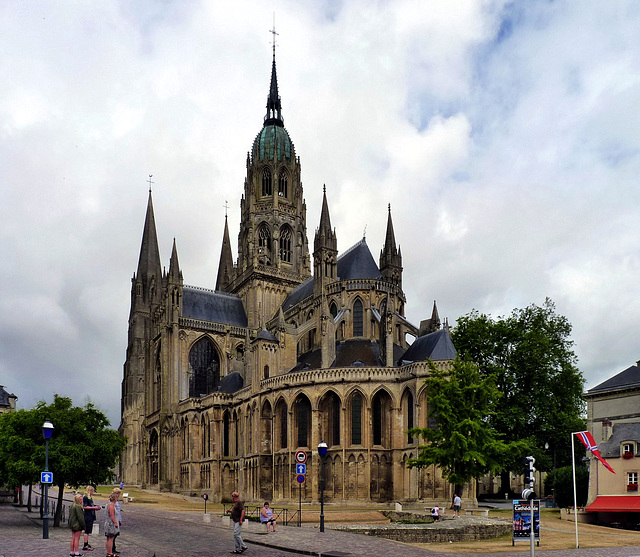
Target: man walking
x,y
237,515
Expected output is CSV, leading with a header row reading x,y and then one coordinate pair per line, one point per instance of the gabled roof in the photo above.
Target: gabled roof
x,y
214,307
5,397
630,377
266,335
434,346
355,263
231,383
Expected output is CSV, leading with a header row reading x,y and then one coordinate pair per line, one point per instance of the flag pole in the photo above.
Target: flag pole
x,y
575,496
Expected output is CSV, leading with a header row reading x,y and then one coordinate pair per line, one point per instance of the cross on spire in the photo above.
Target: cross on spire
x,y
273,32
226,207
149,181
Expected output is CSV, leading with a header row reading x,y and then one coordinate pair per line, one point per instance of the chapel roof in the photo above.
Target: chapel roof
x,y
215,307
433,346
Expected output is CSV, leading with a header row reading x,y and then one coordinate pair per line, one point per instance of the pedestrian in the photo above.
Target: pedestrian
x,y
89,516
266,517
77,525
237,515
435,513
118,510
457,503
111,526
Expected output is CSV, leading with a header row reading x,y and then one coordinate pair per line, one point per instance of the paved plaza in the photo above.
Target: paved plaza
x,y
161,533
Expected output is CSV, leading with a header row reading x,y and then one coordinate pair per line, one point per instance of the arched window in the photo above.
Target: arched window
x,y
333,309
303,420
330,408
264,245
356,419
283,180
236,431
204,368
410,422
381,408
265,374
284,430
357,319
226,426
266,182
285,244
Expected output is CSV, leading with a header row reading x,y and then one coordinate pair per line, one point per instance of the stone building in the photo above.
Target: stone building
x,y
293,347
7,401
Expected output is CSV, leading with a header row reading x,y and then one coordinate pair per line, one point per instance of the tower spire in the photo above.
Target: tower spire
x,y
390,256
225,267
149,261
274,108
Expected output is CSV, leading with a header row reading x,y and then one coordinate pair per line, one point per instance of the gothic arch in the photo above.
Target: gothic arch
x,y
285,244
204,367
302,420
264,244
283,183
358,317
408,410
266,182
355,417
381,404
282,424
330,407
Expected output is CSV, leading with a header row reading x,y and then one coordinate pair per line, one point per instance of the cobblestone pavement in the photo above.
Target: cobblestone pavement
x,y
148,532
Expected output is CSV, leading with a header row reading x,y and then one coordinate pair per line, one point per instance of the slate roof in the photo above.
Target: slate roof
x,y
5,397
266,335
621,432
355,263
630,377
433,346
214,307
231,383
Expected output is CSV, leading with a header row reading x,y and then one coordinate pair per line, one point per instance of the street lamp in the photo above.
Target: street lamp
x,y
322,451
47,432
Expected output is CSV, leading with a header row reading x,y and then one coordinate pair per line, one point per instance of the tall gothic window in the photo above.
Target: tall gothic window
x,y
381,406
335,419
333,309
264,244
204,368
283,183
357,319
356,419
303,420
284,432
266,182
226,426
285,244
409,416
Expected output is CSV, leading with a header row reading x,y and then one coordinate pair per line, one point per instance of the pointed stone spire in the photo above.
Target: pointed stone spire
x,y
149,268
225,267
325,250
390,256
174,265
274,107
325,235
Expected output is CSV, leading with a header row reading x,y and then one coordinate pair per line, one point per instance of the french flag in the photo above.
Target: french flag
x,y
589,442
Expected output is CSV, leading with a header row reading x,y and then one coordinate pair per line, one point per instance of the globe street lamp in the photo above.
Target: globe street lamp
x,y
47,432
322,451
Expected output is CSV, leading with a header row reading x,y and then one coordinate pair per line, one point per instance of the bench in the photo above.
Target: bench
x,y
479,512
126,498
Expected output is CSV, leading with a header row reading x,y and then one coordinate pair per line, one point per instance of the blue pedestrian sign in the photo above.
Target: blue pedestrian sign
x,y
46,477
301,468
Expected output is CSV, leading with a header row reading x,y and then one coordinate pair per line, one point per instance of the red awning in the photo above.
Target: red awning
x,y
615,503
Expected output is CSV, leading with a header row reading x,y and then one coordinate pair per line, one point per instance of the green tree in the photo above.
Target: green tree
x,y
463,443
82,449
531,356
563,485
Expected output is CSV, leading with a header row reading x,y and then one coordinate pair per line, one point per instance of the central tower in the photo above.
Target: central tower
x,y
273,251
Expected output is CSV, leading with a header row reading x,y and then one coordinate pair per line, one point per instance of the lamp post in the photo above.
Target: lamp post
x,y
322,451
47,432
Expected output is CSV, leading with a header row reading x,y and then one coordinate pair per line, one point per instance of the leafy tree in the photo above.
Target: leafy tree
x,y
563,485
82,449
463,443
531,356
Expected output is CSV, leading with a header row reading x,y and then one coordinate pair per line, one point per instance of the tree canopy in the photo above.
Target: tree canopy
x,y
530,355
462,442
82,449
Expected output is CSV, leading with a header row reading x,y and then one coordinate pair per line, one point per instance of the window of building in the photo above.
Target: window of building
x,y
333,309
628,449
204,368
285,244
283,180
356,419
303,420
409,417
266,372
264,239
284,433
381,408
357,319
266,182
225,434
632,480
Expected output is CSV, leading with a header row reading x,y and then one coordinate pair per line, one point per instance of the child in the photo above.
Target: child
x,y
435,513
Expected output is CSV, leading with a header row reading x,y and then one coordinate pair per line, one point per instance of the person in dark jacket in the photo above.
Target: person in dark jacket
x,y
76,523
89,516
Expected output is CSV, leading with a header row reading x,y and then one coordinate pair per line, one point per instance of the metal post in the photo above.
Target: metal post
x,y
533,529
322,493
45,516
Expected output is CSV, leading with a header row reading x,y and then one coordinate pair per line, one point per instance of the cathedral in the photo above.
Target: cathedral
x,y
222,387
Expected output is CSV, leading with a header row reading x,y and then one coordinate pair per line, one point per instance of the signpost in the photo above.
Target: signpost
x,y
301,470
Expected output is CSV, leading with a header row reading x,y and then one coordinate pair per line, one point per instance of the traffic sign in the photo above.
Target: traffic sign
x,y
300,478
301,457
46,477
301,469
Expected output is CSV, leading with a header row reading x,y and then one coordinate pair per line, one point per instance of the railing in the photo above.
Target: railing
x,y
52,508
283,516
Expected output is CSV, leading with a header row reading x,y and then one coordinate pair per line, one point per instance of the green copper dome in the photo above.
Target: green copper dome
x,y
272,143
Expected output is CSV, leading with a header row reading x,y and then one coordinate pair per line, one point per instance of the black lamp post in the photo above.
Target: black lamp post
x,y
322,451
47,432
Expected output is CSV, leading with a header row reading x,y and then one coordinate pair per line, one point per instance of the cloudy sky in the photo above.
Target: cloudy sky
x,y
506,137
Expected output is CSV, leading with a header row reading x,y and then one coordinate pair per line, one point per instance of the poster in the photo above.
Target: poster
x,y
522,520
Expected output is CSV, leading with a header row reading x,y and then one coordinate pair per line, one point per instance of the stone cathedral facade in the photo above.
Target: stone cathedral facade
x,y
295,345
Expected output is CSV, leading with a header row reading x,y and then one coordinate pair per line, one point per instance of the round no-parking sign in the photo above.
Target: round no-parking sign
x,y
300,478
301,457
